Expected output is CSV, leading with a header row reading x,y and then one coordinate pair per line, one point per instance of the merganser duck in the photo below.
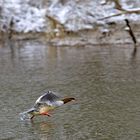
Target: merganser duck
x,y
45,103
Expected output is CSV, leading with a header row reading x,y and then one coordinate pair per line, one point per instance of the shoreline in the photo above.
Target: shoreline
x,y
115,33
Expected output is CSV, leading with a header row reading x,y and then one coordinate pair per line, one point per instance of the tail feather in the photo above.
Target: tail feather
x,y
66,100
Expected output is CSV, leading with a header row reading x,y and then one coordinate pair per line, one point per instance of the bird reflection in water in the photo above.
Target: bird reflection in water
x,y
41,126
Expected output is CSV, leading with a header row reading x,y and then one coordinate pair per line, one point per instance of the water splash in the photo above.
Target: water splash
x,y
25,116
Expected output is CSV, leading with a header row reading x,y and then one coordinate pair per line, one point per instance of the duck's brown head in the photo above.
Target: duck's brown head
x,y
66,100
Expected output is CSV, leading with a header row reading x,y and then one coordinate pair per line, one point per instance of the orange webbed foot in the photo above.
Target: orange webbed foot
x,y
46,114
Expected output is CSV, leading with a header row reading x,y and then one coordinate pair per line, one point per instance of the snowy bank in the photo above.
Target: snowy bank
x,y
73,15
25,17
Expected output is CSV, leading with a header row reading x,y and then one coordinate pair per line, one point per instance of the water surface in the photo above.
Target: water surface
x,y
105,80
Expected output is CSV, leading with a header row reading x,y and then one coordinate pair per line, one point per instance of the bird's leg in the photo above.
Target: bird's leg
x,y
32,117
46,113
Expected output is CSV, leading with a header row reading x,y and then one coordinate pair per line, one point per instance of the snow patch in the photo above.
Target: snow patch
x,y
25,17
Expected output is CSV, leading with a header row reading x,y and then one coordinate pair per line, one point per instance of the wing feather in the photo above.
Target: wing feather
x,y
49,99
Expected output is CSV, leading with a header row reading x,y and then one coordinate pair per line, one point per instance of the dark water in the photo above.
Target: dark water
x,y
105,80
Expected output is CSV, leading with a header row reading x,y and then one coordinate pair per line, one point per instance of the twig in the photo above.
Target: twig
x,y
119,7
111,16
130,31
11,24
